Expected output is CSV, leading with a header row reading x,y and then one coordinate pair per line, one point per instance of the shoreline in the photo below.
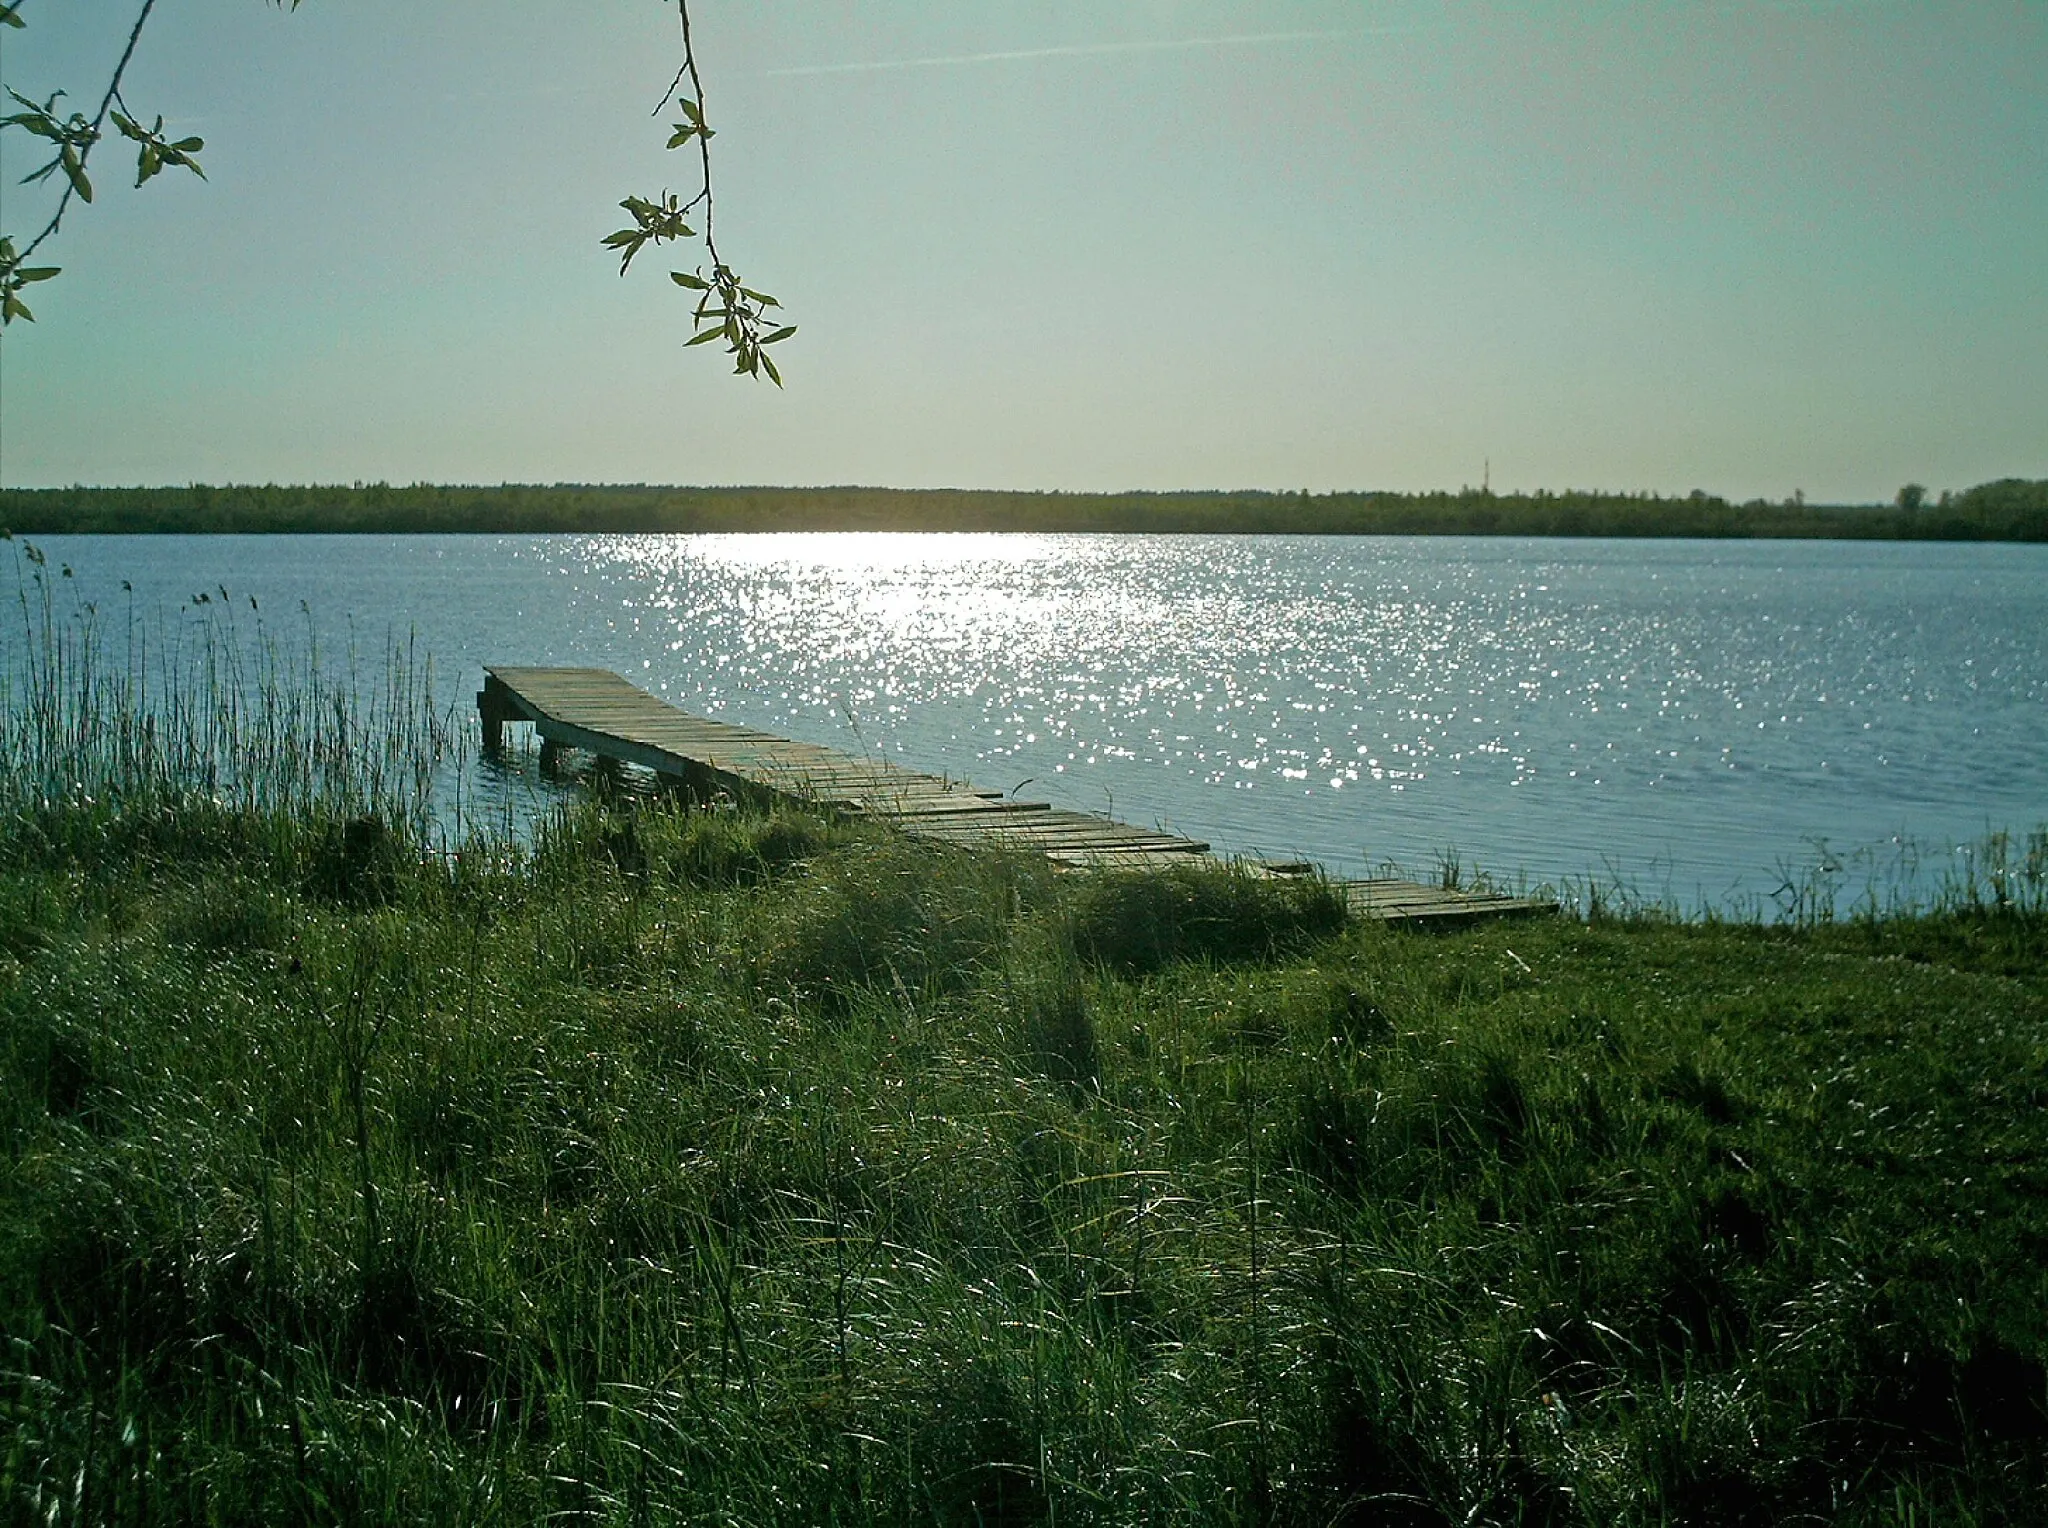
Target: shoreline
x,y
2010,510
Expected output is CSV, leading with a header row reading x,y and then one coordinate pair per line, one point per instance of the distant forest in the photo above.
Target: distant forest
x,y
2008,510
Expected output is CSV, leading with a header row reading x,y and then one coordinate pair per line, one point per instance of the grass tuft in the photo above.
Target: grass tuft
x,y
1140,922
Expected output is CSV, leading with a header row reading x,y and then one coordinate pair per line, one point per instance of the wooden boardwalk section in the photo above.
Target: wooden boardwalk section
x,y
597,711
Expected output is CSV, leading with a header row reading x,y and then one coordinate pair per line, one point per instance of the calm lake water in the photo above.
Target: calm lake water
x,y
1688,718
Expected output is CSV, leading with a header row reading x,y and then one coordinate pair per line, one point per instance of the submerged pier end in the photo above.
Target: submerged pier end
x,y
599,712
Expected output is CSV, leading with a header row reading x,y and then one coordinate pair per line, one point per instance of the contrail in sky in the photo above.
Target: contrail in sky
x,y
1236,40
1088,50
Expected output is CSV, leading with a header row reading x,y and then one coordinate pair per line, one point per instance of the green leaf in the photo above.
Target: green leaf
x,y
690,109
147,163
780,335
36,273
761,297
12,307
682,135
694,283
9,18
74,171
128,128
706,337
189,145
768,365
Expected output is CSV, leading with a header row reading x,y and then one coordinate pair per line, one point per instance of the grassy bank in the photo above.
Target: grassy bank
x,y
692,1164
2009,510
762,1169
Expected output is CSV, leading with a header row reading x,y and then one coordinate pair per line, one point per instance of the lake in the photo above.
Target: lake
x,y
1686,718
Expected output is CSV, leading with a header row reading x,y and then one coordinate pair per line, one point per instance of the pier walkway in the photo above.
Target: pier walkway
x,y
597,711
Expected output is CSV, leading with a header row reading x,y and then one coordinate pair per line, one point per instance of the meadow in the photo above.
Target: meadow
x,y
712,1160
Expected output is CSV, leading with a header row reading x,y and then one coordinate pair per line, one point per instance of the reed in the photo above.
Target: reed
x,y
213,710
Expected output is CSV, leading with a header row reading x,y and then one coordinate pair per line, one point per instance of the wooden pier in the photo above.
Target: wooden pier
x,y
597,711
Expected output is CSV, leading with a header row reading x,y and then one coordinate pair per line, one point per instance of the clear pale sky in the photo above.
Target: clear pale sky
x,y
1162,244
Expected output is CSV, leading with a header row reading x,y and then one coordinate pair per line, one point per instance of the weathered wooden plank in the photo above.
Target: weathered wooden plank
x,y
960,806
1038,830
1051,819
1409,902
1054,817
1129,859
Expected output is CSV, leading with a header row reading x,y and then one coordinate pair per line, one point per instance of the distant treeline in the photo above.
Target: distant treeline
x,y
2008,510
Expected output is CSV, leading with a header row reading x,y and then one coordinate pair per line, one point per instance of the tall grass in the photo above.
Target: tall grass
x,y
1999,873
845,1186
705,1165
213,707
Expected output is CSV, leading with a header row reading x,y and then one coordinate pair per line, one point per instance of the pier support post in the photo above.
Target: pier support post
x,y
492,712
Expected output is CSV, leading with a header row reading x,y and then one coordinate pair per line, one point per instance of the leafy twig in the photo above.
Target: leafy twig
x,y
726,309
75,137
157,150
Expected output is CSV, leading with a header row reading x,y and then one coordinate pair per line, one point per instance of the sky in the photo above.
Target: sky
x,y
1124,244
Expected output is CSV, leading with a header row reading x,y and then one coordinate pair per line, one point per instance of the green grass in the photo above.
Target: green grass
x,y
760,1168
137,722
754,1167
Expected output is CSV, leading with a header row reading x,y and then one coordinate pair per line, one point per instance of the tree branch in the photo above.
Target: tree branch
x,y
99,121
703,135
726,309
